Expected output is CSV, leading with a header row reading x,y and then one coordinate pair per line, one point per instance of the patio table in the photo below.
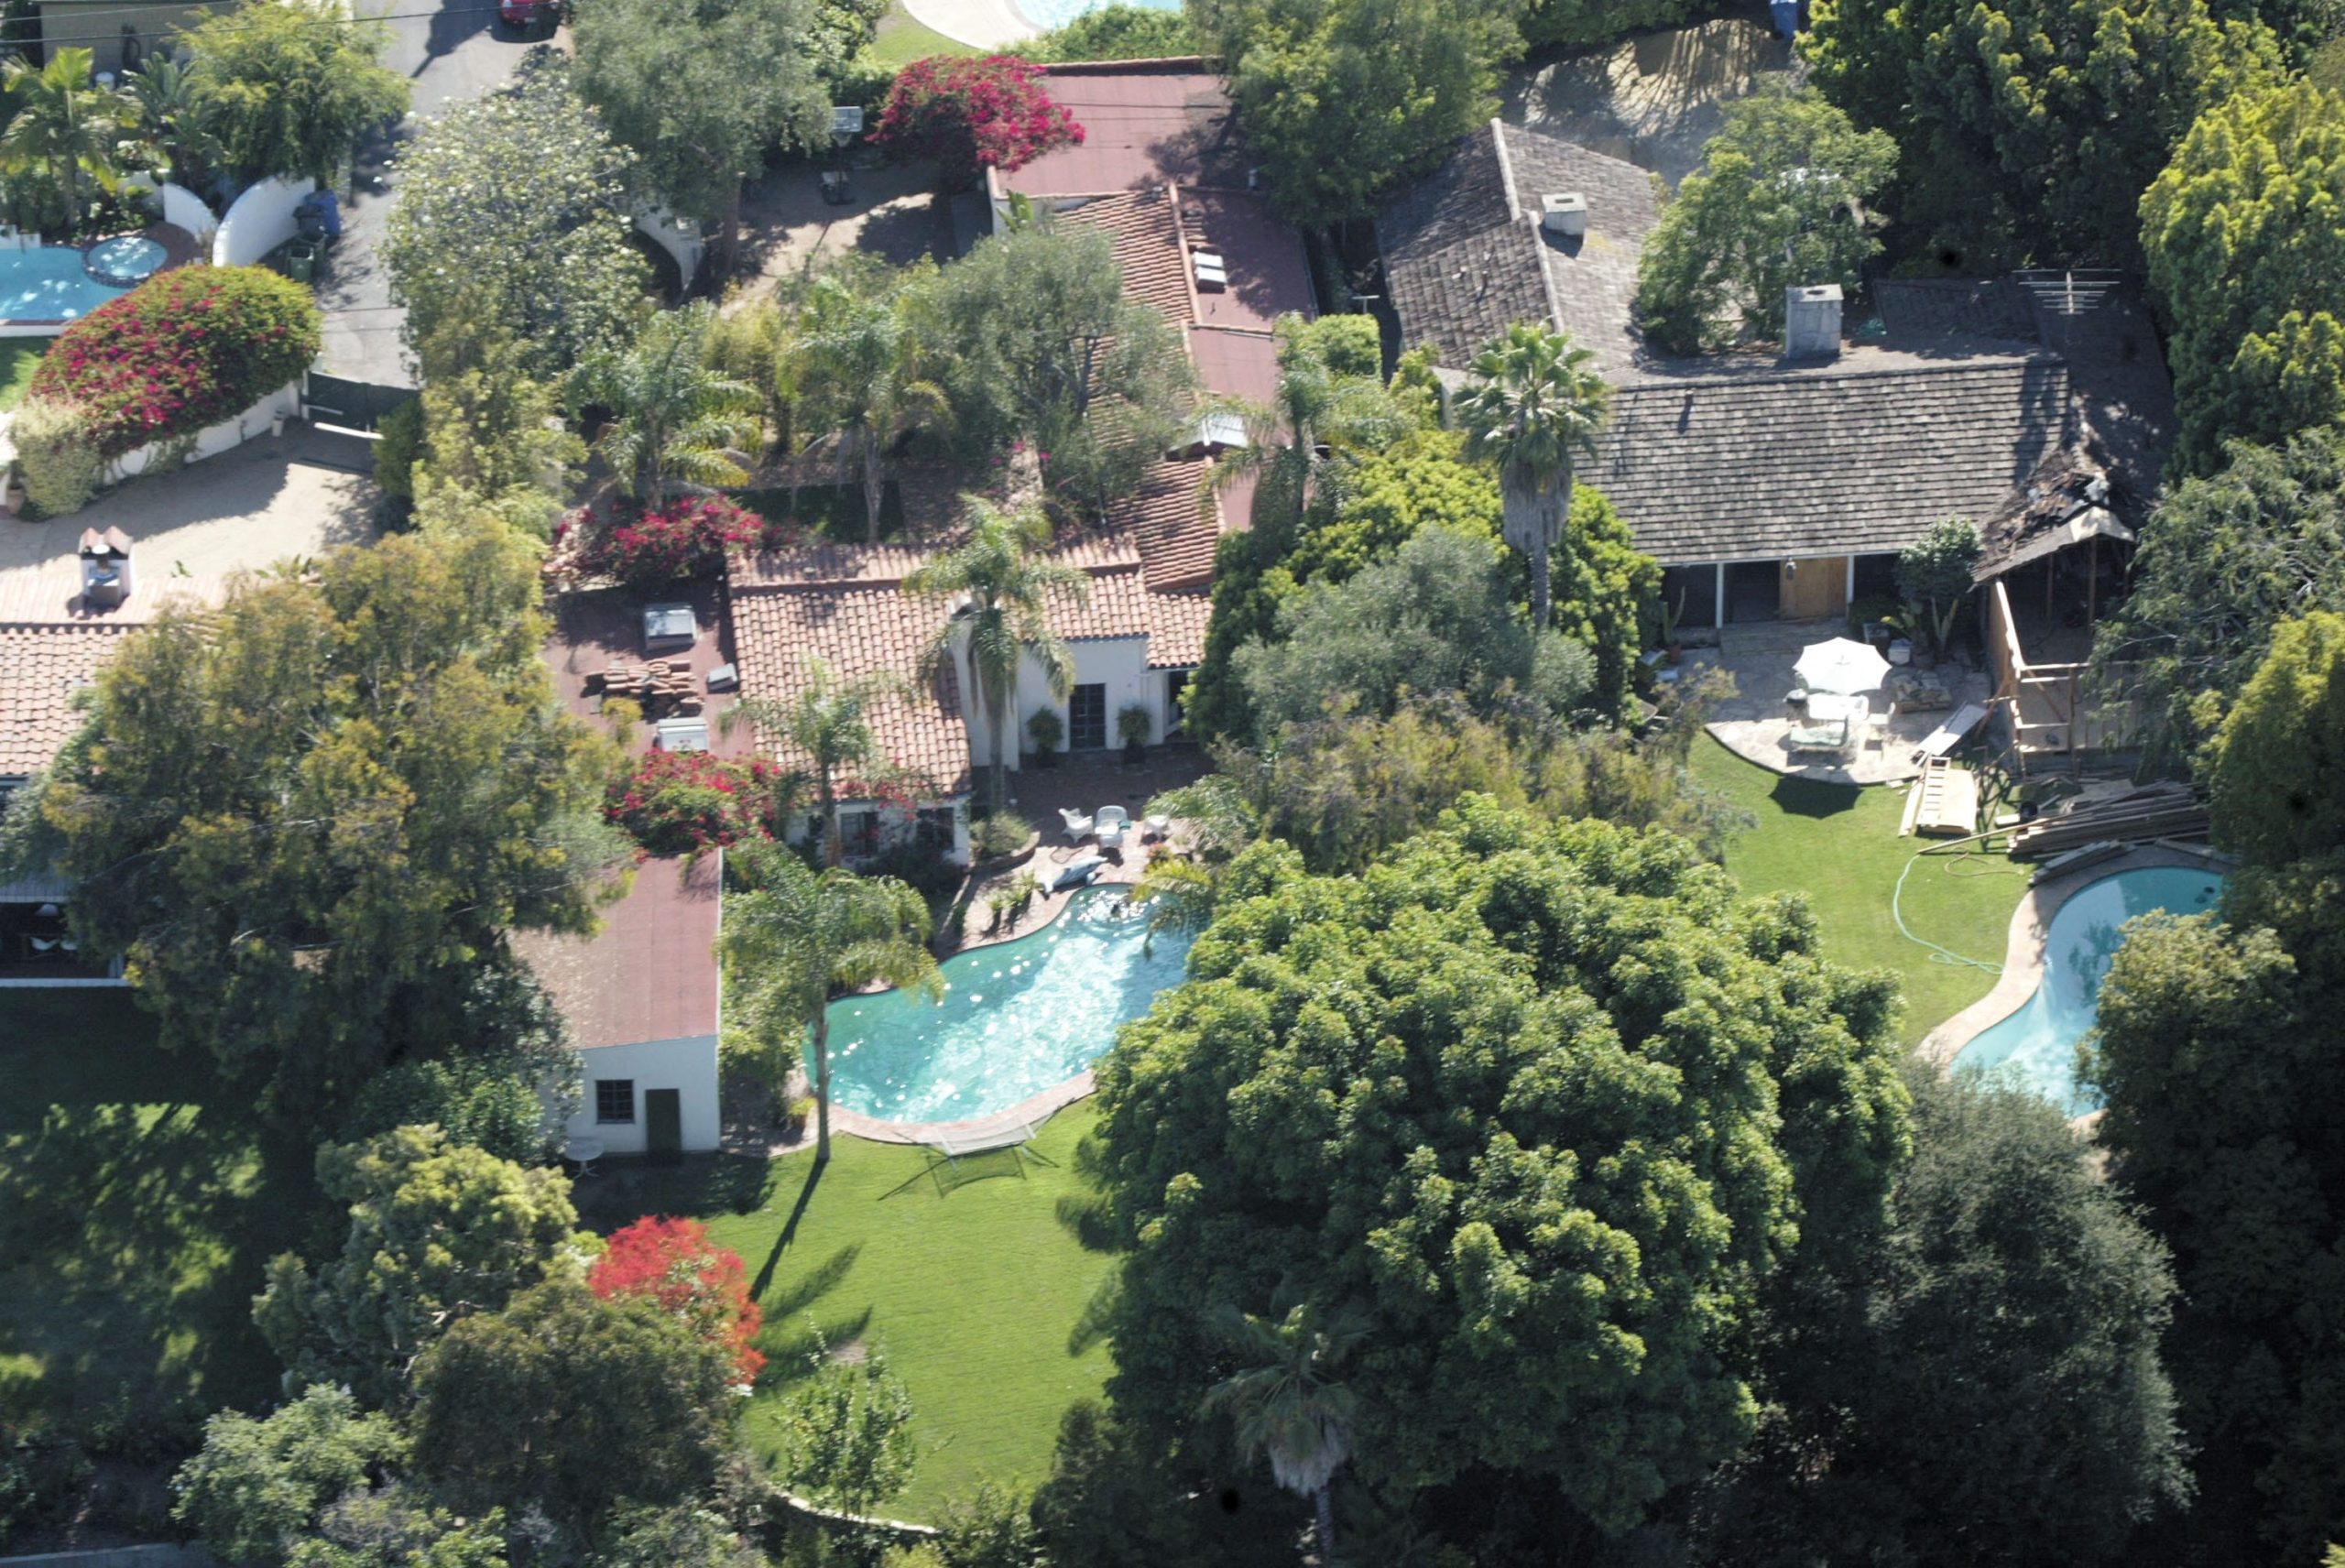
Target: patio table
x,y
1830,707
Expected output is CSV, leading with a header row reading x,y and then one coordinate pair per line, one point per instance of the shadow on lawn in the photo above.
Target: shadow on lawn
x,y
1813,798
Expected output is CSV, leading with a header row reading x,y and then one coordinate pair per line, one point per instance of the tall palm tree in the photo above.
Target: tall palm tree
x,y
799,935
673,417
828,721
1288,1404
65,125
1535,415
857,365
168,120
1002,582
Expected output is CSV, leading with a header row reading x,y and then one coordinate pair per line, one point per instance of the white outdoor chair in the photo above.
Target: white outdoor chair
x,y
1110,825
1078,826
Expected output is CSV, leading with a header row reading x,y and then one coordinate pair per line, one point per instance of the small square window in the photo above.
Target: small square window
x,y
614,1099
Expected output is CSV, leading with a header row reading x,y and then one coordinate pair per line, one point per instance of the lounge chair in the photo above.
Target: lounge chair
x,y
1111,825
1811,738
1078,826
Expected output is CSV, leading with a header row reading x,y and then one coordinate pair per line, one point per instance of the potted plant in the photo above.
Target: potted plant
x,y
795,1116
1671,614
1134,724
1020,897
1045,729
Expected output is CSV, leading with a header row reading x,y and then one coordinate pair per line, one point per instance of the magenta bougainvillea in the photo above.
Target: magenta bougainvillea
x,y
672,802
682,538
973,113
187,349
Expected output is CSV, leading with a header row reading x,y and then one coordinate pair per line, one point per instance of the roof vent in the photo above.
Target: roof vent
x,y
1563,215
106,578
1812,322
1213,273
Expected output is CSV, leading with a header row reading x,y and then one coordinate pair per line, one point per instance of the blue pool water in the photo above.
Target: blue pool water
x,y
49,283
1049,13
1018,1016
2037,1046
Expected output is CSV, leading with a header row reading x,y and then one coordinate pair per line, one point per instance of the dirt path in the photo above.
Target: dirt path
x,y
1653,98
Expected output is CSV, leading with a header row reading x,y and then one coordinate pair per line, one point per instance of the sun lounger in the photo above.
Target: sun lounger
x,y
1949,735
1832,737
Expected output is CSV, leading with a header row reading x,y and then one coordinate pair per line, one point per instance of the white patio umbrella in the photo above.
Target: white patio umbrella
x,y
1841,665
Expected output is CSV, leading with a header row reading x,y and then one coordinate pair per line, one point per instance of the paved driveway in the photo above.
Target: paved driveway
x,y
456,53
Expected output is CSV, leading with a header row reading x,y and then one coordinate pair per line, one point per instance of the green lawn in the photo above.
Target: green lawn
x,y
18,359
901,40
974,1292
133,1224
1839,844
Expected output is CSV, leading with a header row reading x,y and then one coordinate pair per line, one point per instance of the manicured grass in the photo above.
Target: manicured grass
x,y
1839,844
973,1288
901,40
133,1226
19,357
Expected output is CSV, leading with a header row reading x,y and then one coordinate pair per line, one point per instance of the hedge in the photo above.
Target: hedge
x,y
182,352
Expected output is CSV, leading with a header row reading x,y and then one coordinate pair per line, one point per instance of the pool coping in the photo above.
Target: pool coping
x,y
2031,926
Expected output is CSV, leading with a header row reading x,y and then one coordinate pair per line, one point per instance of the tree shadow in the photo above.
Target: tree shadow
x,y
1813,798
790,1229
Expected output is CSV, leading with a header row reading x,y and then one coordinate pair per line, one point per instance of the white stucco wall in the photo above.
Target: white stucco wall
x,y
259,221
283,403
1120,664
687,1066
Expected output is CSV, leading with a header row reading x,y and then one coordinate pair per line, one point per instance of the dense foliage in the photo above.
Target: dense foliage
x,y
258,1488
511,217
2224,561
288,89
674,802
1933,577
672,1261
2245,232
969,115
1115,32
1779,202
2028,129
667,543
311,815
1541,1106
185,350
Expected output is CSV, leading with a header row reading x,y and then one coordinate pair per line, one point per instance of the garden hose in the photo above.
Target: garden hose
x,y
1937,954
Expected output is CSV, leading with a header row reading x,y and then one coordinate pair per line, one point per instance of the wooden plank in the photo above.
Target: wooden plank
x,y
1952,808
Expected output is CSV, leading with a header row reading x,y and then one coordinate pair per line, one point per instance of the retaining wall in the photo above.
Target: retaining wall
x,y
259,221
285,402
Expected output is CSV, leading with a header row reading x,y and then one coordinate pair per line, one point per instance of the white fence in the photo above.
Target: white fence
x,y
284,403
184,208
675,235
259,221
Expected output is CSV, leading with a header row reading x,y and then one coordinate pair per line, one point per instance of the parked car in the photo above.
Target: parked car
x,y
530,16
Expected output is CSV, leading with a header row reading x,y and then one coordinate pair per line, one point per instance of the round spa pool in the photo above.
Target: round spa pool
x,y
2037,1046
124,260
1017,1017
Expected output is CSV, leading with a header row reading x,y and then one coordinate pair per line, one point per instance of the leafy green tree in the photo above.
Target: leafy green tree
x,y
259,1485
493,443
1545,1103
2277,766
1008,583
1779,202
439,1232
846,1436
2002,1319
991,1528
1532,415
573,1405
1344,99
1386,499
2245,243
674,420
703,93
1115,32
798,936
394,1527
827,724
2030,128
1934,575
1039,342
1578,24
511,217
686,1536
288,89
1289,1401
857,370
64,126
480,1102
2226,559
311,816
1439,618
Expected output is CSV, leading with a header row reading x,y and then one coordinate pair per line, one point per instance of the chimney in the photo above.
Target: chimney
x,y
1563,215
106,578
1812,322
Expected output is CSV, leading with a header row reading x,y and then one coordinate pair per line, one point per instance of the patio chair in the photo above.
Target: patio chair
x,y
1877,727
1113,816
1110,825
1078,826
1831,738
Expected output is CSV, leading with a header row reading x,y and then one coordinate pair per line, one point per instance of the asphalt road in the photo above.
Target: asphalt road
x,y
456,53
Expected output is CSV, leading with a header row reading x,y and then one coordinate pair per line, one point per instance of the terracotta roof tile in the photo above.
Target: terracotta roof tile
x,y
41,667
1144,227
1173,523
1176,629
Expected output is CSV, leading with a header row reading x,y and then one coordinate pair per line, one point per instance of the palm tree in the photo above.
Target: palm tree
x,y
827,720
1535,413
799,935
1003,583
1287,1403
857,365
65,127
672,414
168,120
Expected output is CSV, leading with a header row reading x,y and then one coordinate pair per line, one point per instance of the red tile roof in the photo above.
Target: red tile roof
x,y
1237,364
650,973
41,667
1268,275
1176,629
1145,123
1144,227
1175,522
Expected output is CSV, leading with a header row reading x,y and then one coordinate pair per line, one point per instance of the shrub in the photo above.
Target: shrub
x,y
973,113
1004,833
672,1261
1045,730
399,443
920,866
676,801
185,350
57,455
682,538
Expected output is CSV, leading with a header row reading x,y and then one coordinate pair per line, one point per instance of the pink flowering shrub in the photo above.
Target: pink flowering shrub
x,y
187,349
682,538
672,802
973,113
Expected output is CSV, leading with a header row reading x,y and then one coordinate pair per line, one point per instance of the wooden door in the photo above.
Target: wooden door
x,y
663,1124
1819,589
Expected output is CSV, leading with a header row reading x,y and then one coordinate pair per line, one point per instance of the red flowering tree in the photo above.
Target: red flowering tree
x,y
672,1262
973,113
186,349
672,802
682,538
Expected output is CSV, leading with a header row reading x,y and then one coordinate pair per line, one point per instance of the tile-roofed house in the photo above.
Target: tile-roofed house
x,y
42,668
1146,123
642,1000
1466,256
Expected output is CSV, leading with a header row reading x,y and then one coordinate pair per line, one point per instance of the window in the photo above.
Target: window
x,y
1086,717
932,829
859,834
614,1099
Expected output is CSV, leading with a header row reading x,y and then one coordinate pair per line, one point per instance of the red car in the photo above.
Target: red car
x,y
530,16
